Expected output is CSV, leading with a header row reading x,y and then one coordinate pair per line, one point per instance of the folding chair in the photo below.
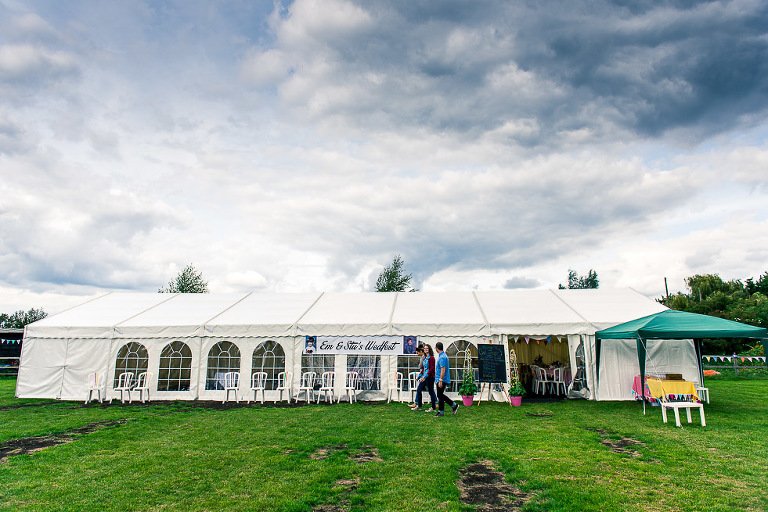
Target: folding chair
x,y
142,385
413,384
350,386
557,381
285,384
124,385
306,386
326,386
395,386
231,383
258,383
95,383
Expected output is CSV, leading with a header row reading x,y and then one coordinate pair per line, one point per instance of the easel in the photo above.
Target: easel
x,y
488,386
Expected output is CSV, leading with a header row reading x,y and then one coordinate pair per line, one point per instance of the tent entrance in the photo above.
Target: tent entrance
x,y
547,352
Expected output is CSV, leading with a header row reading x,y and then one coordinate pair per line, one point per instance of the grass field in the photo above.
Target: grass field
x,y
185,456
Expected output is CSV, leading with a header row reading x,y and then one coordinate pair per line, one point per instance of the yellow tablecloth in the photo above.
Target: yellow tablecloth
x,y
659,387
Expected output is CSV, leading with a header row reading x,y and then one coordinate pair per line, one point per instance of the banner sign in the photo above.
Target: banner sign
x,y
361,345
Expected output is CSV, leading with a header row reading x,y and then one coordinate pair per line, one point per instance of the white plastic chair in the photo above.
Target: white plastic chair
x,y
124,385
557,381
542,381
326,386
142,385
350,387
231,383
258,383
95,383
413,383
395,386
285,383
307,386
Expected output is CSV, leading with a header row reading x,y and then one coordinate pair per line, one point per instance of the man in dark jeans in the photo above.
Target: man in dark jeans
x,y
443,378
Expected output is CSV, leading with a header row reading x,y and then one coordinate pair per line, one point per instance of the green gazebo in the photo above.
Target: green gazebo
x,y
675,325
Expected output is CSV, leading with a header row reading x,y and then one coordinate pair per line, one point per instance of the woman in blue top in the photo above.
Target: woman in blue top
x,y
426,378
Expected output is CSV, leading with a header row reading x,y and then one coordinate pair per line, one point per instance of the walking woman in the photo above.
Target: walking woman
x,y
429,381
426,379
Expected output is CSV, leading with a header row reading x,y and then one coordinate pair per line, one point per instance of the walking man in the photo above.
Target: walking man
x,y
443,378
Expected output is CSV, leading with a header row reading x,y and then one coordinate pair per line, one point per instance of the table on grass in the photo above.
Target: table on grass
x,y
671,394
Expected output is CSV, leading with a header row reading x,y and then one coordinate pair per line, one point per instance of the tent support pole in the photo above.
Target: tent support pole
x,y
641,357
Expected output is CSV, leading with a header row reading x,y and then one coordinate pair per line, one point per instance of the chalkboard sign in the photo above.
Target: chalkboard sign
x,y
493,366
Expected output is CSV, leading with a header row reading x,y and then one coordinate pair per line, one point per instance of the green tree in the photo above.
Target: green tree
x,y
761,285
393,278
581,282
188,280
709,294
21,318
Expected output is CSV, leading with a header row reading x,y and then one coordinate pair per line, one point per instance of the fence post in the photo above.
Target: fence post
x,y
735,365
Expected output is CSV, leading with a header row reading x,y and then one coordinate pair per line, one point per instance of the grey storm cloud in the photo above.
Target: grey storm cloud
x,y
609,68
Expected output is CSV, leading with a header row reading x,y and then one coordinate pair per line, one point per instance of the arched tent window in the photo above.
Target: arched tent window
x,y
269,357
175,367
456,353
223,357
132,357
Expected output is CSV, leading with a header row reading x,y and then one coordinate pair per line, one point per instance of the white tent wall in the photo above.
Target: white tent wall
x,y
619,364
84,356
42,368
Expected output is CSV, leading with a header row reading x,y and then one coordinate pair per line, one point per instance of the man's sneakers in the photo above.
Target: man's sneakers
x,y
454,410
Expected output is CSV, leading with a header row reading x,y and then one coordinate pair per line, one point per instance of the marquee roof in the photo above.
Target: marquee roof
x,y
481,313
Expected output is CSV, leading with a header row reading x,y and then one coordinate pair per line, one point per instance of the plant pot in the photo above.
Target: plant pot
x,y
468,400
516,400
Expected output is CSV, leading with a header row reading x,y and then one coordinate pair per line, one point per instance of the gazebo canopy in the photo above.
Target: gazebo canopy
x,y
672,324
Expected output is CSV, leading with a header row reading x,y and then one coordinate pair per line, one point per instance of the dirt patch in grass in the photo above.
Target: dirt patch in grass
x,y
619,444
481,485
22,406
324,452
369,454
27,445
347,487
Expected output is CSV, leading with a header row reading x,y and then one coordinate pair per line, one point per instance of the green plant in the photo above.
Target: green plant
x,y
516,388
468,386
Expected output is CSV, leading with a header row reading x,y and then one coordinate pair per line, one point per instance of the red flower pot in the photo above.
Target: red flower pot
x,y
468,400
516,400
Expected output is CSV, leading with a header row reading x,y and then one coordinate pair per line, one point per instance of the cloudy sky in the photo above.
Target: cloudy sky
x,y
299,146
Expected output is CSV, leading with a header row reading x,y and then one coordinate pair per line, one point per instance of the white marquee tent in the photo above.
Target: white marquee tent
x,y
188,340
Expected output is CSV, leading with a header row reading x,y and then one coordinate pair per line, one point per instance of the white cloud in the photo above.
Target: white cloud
x,y
301,151
23,61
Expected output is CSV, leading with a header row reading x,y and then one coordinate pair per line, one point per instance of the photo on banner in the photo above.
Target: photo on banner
x,y
409,345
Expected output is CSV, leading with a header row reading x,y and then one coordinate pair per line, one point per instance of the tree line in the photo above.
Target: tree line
x,y
743,301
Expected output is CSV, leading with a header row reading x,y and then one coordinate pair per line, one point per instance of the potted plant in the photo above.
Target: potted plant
x,y
516,392
468,389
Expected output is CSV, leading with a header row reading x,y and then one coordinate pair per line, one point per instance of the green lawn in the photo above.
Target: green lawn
x,y
185,457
